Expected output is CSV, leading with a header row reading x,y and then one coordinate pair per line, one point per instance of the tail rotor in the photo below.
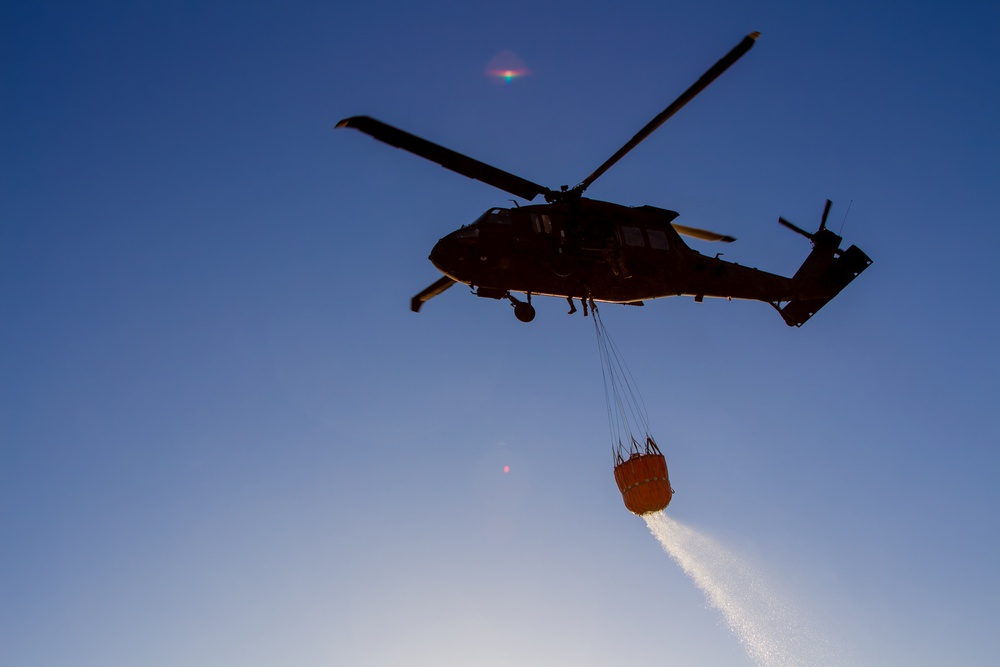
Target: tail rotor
x,y
822,231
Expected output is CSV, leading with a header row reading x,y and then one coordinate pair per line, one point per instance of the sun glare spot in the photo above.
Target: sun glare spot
x,y
507,75
506,66
506,469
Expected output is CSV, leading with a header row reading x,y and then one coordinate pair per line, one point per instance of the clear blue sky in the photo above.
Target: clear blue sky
x,y
225,440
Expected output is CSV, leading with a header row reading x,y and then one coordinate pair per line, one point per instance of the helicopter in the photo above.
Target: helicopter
x,y
595,251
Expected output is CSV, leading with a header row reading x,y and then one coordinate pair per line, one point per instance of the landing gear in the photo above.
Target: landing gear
x,y
523,311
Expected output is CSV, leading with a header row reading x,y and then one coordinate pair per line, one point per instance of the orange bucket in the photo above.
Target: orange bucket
x,y
643,482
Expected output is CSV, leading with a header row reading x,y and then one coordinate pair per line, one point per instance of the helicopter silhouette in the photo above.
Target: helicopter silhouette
x,y
595,251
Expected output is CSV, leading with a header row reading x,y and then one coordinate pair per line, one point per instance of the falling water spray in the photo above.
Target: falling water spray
x,y
770,630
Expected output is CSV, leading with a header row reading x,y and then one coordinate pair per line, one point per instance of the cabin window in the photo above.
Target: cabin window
x,y
657,239
541,223
468,232
632,236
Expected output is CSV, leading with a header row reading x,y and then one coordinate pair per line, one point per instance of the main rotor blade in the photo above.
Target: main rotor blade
x,y
441,285
445,157
702,234
699,85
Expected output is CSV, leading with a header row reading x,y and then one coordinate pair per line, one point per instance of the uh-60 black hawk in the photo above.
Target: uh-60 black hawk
x,y
574,247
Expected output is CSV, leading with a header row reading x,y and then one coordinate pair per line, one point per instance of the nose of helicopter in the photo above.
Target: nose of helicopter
x,y
444,255
452,255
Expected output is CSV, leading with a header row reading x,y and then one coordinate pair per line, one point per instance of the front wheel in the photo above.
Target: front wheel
x,y
524,311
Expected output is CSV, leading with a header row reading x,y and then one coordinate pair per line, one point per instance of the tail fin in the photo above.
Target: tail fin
x,y
826,271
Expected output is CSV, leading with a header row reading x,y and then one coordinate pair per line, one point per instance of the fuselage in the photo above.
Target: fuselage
x,y
587,248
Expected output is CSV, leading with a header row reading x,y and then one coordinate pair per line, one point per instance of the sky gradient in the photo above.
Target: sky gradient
x,y
225,439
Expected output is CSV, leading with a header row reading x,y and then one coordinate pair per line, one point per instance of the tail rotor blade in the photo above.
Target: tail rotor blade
x,y
795,228
826,212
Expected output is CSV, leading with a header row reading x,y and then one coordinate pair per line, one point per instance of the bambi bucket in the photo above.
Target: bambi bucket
x,y
643,482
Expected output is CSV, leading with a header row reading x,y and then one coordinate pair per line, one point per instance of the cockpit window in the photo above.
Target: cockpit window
x,y
657,239
499,215
632,236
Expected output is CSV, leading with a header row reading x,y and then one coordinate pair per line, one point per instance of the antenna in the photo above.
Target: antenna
x,y
845,218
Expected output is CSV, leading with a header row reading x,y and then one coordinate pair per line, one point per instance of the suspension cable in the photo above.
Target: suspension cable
x,y
627,417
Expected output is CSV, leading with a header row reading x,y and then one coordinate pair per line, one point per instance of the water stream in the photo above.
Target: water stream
x,y
770,630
